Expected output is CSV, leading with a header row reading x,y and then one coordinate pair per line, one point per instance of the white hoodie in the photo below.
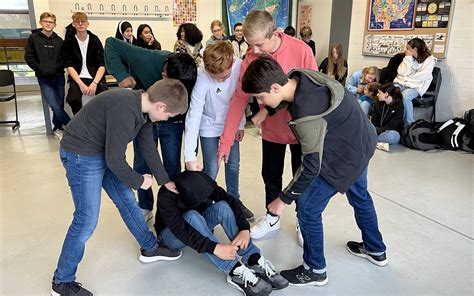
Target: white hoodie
x,y
208,108
415,75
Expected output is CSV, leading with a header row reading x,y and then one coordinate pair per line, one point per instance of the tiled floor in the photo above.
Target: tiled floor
x,y
424,203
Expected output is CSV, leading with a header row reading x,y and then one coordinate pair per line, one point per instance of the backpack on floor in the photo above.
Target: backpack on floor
x,y
421,135
452,132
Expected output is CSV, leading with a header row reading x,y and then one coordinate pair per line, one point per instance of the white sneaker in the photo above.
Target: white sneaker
x,y
147,214
299,236
265,225
383,146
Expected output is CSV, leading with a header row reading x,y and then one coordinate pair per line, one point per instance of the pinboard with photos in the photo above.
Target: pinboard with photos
x,y
390,24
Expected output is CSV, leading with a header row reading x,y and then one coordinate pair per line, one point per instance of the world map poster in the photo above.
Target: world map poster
x,y
237,10
391,15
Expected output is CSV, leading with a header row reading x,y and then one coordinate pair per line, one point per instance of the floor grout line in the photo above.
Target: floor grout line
x,y
422,215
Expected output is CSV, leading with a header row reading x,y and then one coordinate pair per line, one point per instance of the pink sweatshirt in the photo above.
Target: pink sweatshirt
x,y
292,53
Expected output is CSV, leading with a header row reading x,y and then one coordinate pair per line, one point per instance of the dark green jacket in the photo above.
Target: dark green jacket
x,y
337,140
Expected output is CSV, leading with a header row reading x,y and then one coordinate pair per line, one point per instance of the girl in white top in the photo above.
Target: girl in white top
x,y
207,112
414,74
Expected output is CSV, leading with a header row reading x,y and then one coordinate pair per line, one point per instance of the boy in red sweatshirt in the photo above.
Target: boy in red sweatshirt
x,y
289,52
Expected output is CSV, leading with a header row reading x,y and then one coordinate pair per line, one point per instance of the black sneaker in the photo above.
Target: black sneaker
x,y
161,252
247,213
69,289
359,250
300,276
245,280
265,270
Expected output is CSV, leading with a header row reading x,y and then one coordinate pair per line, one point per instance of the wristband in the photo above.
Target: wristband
x,y
94,82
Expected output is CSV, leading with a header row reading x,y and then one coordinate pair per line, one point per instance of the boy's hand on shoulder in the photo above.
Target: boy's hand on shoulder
x,y
225,251
171,187
147,182
194,165
242,239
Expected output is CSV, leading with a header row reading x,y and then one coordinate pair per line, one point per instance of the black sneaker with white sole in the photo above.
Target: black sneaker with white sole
x,y
69,289
245,280
249,216
265,270
161,252
300,276
359,250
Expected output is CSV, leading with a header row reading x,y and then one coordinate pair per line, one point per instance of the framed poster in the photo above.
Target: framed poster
x,y
390,15
237,10
305,12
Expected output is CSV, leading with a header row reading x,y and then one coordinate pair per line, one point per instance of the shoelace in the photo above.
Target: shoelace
x,y
247,276
269,268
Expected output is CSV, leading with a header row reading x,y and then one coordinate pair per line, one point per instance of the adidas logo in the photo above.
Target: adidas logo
x,y
218,90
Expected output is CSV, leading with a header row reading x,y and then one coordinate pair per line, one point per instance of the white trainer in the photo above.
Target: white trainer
x,y
264,226
299,236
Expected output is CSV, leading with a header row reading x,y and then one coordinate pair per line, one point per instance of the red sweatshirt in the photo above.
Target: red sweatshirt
x,y
292,53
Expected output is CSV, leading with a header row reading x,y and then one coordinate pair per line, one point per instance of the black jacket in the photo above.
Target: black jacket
x,y
44,54
170,214
387,117
323,67
95,54
337,140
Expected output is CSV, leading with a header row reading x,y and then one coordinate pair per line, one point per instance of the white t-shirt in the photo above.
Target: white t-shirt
x,y
83,46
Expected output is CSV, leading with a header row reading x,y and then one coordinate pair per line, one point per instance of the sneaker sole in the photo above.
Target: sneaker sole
x,y
315,283
262,236
234,285
362,255
145,259
54,293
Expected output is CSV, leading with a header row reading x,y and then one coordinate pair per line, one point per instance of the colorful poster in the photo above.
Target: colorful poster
x,y
238,9
389,45
436,11
304,16
390,15
184,11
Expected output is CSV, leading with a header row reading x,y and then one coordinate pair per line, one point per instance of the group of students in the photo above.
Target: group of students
x,y
190,203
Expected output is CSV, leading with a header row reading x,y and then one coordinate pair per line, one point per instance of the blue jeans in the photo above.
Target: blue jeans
x,y
86,176
52,90
365,105
209,156
408,95
217,213
390,136
171,138
312,203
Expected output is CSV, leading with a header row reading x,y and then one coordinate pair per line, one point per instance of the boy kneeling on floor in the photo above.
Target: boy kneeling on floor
x,y
188,219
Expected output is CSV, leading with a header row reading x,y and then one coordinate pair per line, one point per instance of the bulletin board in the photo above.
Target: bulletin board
x,y
390,24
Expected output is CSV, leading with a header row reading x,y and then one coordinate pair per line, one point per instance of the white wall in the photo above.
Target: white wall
x,y
457,89
165,32
321,26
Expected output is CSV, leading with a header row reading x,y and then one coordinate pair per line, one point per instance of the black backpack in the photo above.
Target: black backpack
x,y
421,135
452,133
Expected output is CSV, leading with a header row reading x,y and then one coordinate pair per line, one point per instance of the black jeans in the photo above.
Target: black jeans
x,y
273,160
74,94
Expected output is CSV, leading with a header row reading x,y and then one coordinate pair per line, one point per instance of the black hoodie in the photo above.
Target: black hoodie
x,y
44,54
196,192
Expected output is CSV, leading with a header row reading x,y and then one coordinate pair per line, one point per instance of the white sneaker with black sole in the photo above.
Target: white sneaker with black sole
x,y
264,226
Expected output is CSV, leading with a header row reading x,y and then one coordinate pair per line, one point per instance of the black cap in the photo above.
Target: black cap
x,y
194,188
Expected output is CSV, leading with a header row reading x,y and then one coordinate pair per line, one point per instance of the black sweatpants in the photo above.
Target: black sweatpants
x,y
273,161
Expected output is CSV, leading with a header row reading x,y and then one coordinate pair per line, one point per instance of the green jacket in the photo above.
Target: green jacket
x,y
145,65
